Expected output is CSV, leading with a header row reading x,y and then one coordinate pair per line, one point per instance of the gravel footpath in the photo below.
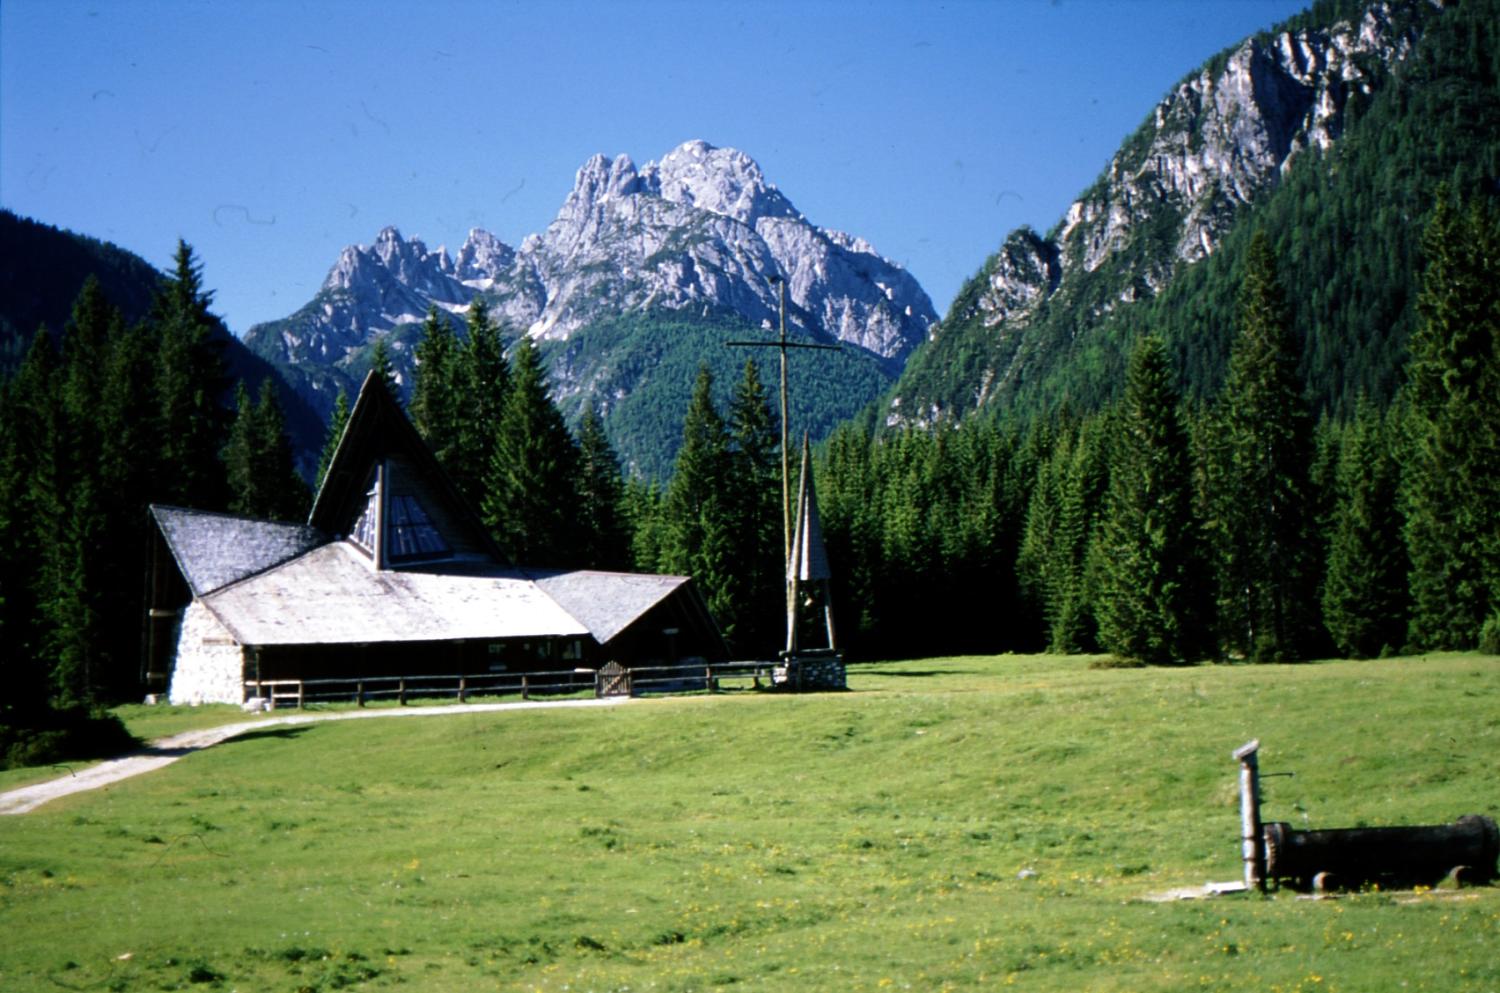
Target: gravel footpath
x,y
165,751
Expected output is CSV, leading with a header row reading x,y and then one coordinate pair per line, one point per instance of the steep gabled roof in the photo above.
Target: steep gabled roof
x,y
378,429
214,550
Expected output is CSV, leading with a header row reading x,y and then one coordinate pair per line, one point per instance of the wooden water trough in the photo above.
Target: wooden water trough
x,y
1466,851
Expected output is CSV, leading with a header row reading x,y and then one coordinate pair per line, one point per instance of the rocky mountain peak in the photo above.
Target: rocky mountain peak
x,y
697,235
723,181
482,256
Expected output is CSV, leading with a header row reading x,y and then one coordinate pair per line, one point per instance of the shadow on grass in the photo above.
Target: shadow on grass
x,y
289,733
875,669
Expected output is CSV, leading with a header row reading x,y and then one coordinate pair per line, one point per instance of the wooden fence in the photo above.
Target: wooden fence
x,y
718,678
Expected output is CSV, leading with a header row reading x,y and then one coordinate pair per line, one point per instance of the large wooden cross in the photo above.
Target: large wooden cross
x,y
786,484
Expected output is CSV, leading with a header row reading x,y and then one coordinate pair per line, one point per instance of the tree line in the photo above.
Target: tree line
x,y
1171,529
1163,529
100,420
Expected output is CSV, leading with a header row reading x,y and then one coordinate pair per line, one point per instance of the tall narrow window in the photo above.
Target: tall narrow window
x,y
363,533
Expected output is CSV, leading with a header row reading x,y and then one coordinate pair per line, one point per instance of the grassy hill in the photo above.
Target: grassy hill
x,y
951,824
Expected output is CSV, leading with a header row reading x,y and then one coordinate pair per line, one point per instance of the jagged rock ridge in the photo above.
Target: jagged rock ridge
x,y
701,230
1214,144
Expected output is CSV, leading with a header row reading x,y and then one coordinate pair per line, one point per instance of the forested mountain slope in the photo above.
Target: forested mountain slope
x,y
42,269
1330,134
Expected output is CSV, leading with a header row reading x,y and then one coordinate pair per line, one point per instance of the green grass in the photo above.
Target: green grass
x,y
863,841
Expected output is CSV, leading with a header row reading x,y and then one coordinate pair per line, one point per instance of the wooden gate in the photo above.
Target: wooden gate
x,y
612,680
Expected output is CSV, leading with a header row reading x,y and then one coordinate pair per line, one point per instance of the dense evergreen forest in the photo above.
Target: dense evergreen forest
x,y
1163,529
1169,528
100,420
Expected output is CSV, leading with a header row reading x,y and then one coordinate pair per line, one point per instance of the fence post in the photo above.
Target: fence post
x,y
462,685
708,679
525,688
401,692
359,693
301,698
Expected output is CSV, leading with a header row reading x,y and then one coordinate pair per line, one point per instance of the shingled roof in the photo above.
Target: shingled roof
x,y
335,595
214,550
607,602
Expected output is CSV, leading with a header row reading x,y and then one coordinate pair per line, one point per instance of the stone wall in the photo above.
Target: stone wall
x,y
210,665
811,672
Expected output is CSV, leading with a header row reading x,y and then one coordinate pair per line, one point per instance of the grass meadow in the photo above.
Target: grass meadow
x,y
949,824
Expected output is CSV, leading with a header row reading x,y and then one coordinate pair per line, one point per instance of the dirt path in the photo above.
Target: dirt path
x,y
165,751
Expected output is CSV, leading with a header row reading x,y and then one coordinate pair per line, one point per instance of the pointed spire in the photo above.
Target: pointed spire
x,y
809,559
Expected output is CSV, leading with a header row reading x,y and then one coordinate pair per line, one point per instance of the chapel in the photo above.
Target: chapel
x,y
393,574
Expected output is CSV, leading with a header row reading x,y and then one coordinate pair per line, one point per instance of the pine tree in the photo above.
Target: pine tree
x,y
29,419
484,382
1061,517
380,365
1264,509
1453,469
191,426
604,543
1148,555
530,500
645,515
699,535
851,530
127,473
336,423
258,459
755,509
435,393
1365,600
239,469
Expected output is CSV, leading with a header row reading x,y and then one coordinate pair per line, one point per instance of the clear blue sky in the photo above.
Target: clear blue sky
x,y
269,133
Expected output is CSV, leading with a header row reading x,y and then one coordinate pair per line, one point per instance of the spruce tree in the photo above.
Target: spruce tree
x,y
239,470
29,418
435,394
755,509
604,541
847,488
380,365
1453,468
258,459
191,426
1265,512
530,500
336,423
1148,555
1365,599
1061,518
483,380
699,536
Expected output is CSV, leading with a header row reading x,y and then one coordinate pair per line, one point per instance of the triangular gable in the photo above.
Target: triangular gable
x,y
386,491
214,550
607,602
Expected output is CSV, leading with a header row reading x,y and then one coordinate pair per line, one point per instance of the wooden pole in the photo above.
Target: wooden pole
x,y
786,476
1251,849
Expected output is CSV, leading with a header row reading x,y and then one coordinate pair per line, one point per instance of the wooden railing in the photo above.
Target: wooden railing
x,y
713,678
365,689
